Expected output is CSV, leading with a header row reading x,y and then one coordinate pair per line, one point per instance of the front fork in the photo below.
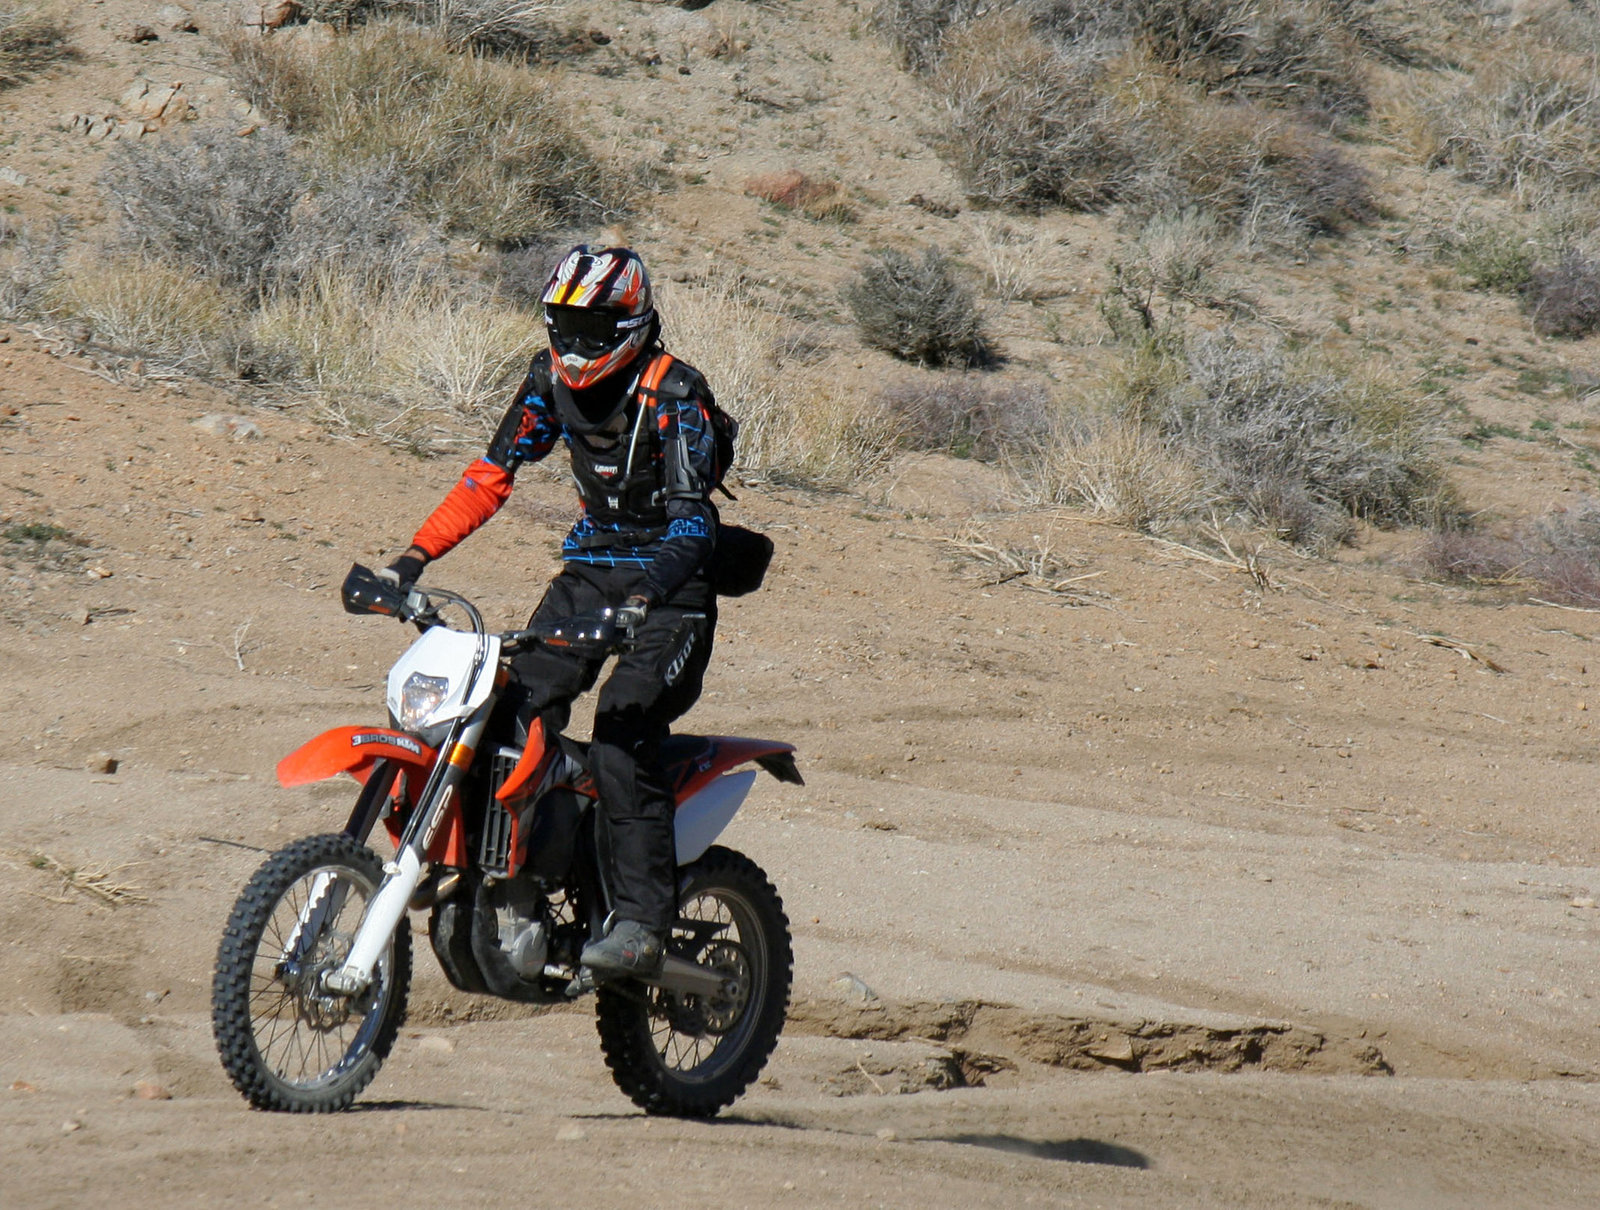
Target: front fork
x,y
404,872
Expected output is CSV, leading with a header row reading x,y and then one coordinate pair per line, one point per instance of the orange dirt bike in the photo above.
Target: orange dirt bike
x,y
500,844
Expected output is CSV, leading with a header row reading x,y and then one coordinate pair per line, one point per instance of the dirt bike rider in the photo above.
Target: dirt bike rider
x,y
637,429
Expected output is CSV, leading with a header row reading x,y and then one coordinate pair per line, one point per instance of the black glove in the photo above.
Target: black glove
x,y
404,571
632,612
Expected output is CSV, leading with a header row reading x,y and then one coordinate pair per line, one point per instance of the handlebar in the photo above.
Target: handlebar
x,y
365,592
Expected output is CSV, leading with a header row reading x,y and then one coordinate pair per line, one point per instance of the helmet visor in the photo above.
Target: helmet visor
x,y
590,331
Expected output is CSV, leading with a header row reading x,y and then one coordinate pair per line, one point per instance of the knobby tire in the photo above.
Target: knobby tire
x,y
249,994
652,1039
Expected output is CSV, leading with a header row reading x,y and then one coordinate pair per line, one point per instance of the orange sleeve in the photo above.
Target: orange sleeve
x,y
471,502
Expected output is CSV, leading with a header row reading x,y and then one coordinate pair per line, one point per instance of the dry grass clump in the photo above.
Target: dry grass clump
x,y
173,316
918,309
1121,471
976,416
397,360
482,144
1528,121
796,421
31,39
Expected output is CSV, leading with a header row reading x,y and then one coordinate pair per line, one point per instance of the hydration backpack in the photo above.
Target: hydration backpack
x,y
659,381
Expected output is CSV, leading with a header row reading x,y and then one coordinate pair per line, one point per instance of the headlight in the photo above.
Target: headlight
x,y
420,696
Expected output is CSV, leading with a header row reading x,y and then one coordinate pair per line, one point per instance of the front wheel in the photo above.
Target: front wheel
x,y
688,1055
286,1041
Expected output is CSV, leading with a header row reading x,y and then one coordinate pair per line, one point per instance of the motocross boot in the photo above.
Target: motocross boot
x,y
628,949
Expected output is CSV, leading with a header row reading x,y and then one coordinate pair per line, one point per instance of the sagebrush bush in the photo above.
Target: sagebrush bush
x,y
1279,52
172,316
1557,556
1028,124
482,144
918,309
1563,299
31,39
1298,444
971,415
211,201
357,222
252,214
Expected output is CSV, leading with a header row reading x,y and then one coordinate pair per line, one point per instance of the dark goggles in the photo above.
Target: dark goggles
x,y
591,327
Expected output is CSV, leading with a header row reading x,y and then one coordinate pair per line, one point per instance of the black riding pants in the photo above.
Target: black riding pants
x,y
650,687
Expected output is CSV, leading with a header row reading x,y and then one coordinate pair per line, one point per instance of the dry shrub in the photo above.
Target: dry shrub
x,y
31,39
28,266
251,214
917,28
918,309
1281,52
1295,442
1272,180
1027,123
482,144
1527,121
171,316
1080,124
1563,299
1558,554
507,27
213,201
971,415
794,190
1460,556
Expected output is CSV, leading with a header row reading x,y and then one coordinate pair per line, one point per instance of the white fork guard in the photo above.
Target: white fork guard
x,y
701,818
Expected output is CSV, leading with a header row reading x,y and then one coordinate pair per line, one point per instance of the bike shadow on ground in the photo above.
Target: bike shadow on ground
x,y
1063,1151
392,1106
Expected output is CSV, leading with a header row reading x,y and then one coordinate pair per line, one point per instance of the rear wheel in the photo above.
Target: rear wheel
x,y
689,1055
287,1043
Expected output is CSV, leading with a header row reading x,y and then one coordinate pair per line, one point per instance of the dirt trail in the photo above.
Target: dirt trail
x,y
1140,888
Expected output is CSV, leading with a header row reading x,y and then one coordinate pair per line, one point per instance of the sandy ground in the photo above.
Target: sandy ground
x,y
1174,886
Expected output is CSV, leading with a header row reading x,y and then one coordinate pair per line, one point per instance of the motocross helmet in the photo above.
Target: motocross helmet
x,y
600,313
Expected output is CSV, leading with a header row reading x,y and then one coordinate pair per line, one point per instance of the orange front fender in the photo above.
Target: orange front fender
x,y
353,750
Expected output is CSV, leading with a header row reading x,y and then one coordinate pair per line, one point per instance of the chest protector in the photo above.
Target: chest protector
x,y
624,483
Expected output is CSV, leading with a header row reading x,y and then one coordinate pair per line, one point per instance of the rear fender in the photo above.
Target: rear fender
x,y
354,750
724,753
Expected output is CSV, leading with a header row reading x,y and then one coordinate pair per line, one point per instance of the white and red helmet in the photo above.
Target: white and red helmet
x,y
600,312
